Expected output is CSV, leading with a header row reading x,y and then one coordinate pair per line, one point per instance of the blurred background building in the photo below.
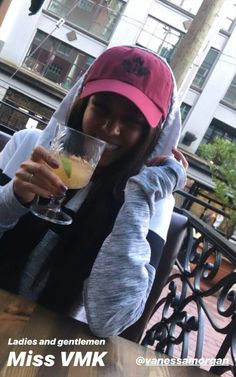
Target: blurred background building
x,y
43,54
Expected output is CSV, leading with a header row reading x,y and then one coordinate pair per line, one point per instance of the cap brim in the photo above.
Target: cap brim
x,y
144,104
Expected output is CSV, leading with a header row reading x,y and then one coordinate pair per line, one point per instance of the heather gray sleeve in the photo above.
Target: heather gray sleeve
x,y
10,208
121,278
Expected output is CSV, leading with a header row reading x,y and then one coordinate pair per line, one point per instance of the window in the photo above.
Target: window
x,y
39,36
64,49
85,5
230,96
228,22
98,17
191,6
19,111
159,37
205,68
184,110
55,60
219,129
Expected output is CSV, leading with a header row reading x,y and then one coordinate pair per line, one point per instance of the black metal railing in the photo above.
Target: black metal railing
x,y
198,279
212,208
193,199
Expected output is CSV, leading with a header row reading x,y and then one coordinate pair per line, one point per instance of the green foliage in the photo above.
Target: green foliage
x,y
221,155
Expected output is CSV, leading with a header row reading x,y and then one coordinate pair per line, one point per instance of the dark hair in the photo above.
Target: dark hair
x,y
95,219
119,171
81,241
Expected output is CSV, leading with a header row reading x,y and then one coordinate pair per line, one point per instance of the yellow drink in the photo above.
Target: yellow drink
x,y
74,172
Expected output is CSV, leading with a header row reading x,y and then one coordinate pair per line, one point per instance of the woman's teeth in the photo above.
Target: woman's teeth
x,y
112,147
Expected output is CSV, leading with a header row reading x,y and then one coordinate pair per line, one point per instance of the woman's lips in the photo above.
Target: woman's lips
x,y
111,147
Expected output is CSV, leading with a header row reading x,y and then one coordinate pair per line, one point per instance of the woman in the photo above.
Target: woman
x,y
103,260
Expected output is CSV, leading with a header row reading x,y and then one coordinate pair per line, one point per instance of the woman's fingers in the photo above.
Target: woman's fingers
x,y
40,175
40,154
180,157
158,160
35,177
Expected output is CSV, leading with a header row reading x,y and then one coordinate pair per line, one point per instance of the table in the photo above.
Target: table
x,y
24,321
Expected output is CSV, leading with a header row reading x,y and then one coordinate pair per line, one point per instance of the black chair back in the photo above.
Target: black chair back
x,y
4,138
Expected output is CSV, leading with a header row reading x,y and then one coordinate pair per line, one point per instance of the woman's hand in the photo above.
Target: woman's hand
x,y
34,177
158,160
180,157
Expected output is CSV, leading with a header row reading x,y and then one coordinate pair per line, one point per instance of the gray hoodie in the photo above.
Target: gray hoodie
x,y
116,291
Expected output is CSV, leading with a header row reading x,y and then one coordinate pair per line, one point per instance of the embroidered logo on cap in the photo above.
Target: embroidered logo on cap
x,y
135,66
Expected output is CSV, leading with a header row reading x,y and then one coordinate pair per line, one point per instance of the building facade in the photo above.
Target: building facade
x,y
42,55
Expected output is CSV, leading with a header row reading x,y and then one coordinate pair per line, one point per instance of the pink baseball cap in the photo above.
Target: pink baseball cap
x,y
135,73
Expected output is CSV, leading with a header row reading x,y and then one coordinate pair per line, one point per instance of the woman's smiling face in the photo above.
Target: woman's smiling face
x,y
116,120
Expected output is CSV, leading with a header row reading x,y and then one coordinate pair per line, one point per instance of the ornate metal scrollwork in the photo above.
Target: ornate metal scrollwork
x,y
197,279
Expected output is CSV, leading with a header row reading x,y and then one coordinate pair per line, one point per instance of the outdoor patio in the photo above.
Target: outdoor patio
x,y
195,314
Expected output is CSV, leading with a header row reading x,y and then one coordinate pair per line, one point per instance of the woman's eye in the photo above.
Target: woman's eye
x,y
135,124
100,107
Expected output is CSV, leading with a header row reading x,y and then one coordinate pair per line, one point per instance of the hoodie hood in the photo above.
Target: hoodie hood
x,y
171,127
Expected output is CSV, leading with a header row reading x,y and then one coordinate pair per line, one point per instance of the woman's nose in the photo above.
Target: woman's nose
x,y
112,127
